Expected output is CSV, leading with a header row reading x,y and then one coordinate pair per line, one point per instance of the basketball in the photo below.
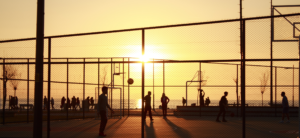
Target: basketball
x,y
130,81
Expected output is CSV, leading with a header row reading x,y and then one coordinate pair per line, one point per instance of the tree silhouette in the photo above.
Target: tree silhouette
x,y
263,83
10,74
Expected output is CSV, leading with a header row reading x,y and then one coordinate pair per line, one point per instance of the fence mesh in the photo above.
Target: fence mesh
x,y
180,62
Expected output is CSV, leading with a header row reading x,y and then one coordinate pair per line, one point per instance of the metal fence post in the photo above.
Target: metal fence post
x,y
49,87
39,71
4,92
243,76
27,90
143,81
67,88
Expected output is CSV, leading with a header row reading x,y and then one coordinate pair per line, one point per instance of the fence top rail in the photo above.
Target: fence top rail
x,y
166,61
285,5
20,58
153,27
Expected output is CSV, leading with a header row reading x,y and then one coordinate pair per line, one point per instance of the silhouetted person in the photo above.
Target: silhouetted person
x,y
10,102
183,101
202,94
68,103
92,102
77,103
88,101
45,102
164,101
285,107
102,104
16,102
147,101
62,104
223,106
207,101
73,102
52,102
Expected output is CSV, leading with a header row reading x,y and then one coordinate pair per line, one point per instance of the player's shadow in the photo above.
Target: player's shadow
x,y
178,130
149,130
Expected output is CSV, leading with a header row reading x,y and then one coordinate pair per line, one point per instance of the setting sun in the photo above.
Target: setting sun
x,y
144,58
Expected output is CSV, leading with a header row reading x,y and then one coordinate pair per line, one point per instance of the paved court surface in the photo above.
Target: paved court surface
x,y
173,126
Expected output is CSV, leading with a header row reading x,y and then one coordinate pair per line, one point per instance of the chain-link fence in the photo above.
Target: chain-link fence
x,y
179,61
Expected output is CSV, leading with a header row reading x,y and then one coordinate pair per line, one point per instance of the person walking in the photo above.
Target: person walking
x,y
164,101
285,108
147,101
223,106
102,104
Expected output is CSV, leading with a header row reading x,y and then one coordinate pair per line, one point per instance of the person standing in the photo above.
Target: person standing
x,y
68,103
92,102
62,102
202,94
183,101
102,104
285,108
223,106
73,103
52,102
207,101
45,102
147,101
164,101
78,103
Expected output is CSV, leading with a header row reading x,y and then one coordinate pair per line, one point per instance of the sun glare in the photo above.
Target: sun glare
x,y
139,103
144,58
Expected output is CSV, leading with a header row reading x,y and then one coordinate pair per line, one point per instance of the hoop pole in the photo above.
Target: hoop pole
x,y
299,86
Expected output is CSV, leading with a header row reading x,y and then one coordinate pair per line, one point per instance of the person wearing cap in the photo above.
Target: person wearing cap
x,y
223,106
147,101
285,108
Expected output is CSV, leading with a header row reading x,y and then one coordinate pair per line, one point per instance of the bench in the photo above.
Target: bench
x,y
26,105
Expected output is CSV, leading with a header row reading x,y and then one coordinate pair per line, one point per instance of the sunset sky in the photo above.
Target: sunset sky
x,y
214,41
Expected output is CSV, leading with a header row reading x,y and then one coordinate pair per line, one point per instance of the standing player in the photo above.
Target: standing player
x,y
285,110
102,104
164,101
147,100
223,106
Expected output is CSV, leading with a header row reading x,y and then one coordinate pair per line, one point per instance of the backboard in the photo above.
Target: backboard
x,y
286,28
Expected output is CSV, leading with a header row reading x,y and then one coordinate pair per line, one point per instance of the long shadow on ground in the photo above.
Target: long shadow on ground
x,y
178,130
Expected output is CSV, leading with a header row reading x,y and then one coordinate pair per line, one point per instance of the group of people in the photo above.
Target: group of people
x,y
223,104
90,101
13,102
74,103
46,103
201,95
103,104
70,104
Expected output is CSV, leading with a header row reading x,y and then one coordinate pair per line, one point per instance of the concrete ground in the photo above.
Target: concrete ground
x,y
173,126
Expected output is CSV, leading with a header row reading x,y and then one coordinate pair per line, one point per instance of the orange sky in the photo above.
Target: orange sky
x,y
217,41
